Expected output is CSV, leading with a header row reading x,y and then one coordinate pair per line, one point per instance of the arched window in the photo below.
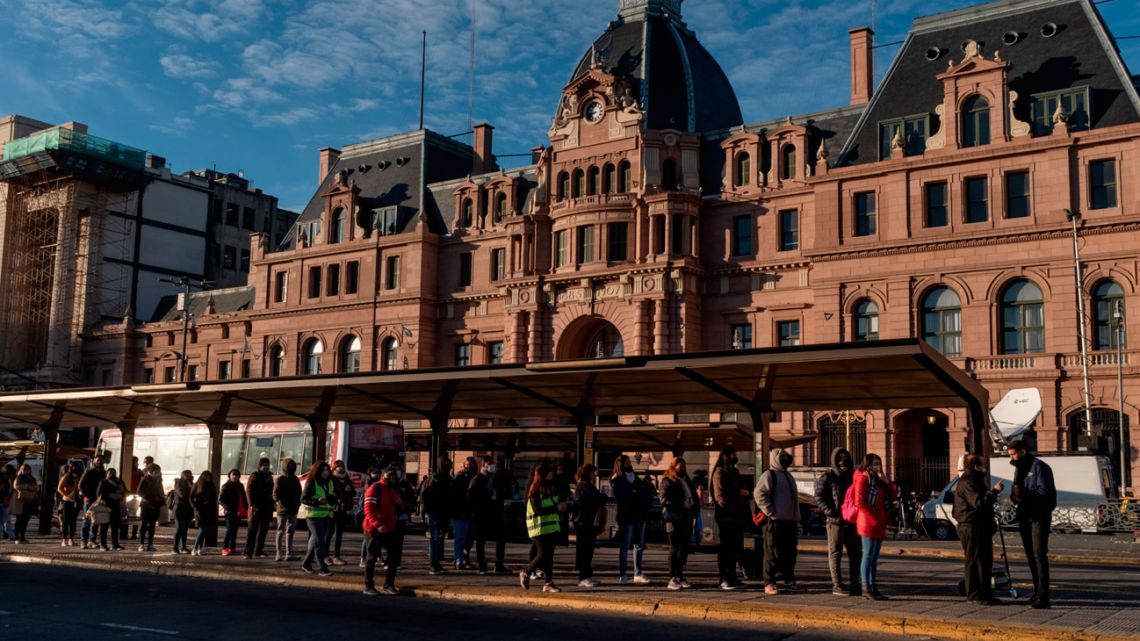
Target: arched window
x,y
609,178
388,354
563,186
311,356
1109,328
467,212
625,177
743,169
579,186
500,208
1022,319
593,178
942,321
866,321
670,181
1107,423
847,432
350,355
339,226
276,361
607,343
975,122
788,162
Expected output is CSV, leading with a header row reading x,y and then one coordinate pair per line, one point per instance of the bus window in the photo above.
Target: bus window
x,y
233,447
112,447
198,456
171,454
262,447
307,463
144,447
293,447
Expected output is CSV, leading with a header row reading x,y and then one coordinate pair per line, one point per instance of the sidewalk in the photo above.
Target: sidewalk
x,y
1092,606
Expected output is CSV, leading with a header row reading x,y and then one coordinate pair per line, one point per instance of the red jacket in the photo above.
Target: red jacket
x,y
874,515
381,504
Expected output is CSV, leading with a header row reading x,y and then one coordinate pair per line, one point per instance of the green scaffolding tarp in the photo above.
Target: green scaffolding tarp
x,y
60,139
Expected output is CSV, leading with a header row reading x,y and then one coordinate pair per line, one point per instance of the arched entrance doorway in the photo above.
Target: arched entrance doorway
x,y
590,337
922,450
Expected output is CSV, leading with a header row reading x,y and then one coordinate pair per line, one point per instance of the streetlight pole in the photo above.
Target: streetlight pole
x,y
1075,219
185,283
1125,447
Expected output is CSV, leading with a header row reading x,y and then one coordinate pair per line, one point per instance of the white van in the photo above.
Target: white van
x,y
1083,486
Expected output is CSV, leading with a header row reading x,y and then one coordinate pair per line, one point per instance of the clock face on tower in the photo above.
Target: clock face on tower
x,y
594,111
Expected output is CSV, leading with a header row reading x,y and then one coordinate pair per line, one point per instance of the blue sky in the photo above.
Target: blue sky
x,y
261,85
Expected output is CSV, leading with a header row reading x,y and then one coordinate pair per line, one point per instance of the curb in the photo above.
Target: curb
x,y
812,547
803,617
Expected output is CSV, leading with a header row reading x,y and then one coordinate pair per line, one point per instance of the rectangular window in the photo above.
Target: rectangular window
x,y
192,372
495,353
1075,103
618,242
224,371
168,375
148,375
465,269
333,286
249,218
244,263
562,248
977,200
742,236
314,282
232,214
245,368
498,264
789,230
462,355
229,257
788,333
1017,194
741,337
351,277
866,216
1102,184
280,287
385,222
677,241
937,205
392,277
585,244
914,131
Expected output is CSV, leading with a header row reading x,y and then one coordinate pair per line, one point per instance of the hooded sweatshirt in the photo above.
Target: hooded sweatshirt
x,y
776,494
831,487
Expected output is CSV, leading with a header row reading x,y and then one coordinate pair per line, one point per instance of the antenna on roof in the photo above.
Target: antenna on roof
x,y
471,73
423,79
874,15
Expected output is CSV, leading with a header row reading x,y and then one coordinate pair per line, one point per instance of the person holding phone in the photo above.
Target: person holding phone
x,y
319,499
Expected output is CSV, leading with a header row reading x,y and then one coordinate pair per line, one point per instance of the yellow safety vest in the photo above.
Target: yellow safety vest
x,y
319,511
545,520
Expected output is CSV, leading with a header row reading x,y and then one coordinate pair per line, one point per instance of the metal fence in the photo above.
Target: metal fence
x,y
923,476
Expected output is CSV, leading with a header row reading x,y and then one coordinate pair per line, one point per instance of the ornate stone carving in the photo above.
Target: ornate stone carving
x,y
898,144
972,48
822,155
1017,128
938,140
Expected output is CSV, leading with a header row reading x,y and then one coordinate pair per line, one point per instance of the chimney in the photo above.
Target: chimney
x,y
483,142
329,156
155,162
77,127
862,65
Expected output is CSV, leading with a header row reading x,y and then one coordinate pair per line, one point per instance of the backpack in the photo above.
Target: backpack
x,y
850,512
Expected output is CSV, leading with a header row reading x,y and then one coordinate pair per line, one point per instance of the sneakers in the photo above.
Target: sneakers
x,y
792,586
142,548
502,571
338,561
324,572
675,584
225,551
728,586
307,568
363,563
873,594
524,580
371,592
390,590
196,552
550,588
641,579
840,590
623,580
771,589
588,583
685,585
437,571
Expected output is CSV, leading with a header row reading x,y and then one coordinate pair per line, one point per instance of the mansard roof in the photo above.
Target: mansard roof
x,y
226,301
1082,53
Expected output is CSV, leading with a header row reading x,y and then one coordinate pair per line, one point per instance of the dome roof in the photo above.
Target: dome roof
x,y
679,83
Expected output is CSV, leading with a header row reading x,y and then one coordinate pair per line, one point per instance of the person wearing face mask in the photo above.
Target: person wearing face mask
x,y
543,509
588,508
679,505
287,496
110,495
974,512
234,502
204,497
259,491
1035,495
151,500
874,494
830,491
89,487
345,491
462,512
383,503
319,498
182,510
777,497
68,490
435,497
488,496
374,475
731,512
631,495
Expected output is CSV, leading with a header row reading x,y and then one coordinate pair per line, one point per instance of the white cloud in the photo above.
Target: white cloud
x,y
179,126
287,118
207,20
183,66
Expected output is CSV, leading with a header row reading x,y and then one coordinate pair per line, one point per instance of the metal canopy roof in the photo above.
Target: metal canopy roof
x,y
897,374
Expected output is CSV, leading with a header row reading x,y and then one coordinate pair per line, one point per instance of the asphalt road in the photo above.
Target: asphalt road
x,y
47,603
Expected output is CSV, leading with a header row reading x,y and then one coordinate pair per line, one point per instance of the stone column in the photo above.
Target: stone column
x,y
660,327
534,351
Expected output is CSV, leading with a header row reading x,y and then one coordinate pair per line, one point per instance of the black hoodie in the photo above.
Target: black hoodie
x,y
831,488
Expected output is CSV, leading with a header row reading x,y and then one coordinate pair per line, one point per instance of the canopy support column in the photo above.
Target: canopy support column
x,y
319,424
126,453
585,446
438,418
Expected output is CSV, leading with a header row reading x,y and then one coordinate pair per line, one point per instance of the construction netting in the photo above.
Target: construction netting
x,y
61,139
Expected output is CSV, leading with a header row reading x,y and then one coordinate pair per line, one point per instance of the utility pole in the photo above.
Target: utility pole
x,y
1125,447
185,283
1075,218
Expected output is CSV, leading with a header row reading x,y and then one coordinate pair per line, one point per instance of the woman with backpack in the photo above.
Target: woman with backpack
x,y
543,523
25,501
873,494
679,505
204,498
182,509
234,502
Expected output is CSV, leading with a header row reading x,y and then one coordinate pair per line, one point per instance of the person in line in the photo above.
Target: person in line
x,y
543,522
383,503
318,497
731,512
488,496
112,491
634,499
7,476
565,480
182,509
204,498
374,475
151,500
777,497
830,492
589,508
1035,495
89,488
287,497
259,492
68,490
462,511
679,505
874,494
345,491
25,501
435,498
136,479
234,502
974,512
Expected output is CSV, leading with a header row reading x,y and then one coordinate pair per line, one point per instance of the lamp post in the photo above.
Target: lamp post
x,y
1125,448
185,283
1075,218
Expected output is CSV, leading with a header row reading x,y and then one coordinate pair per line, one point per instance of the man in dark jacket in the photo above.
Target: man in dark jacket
x,y
588,504
287,497
89,488
731,513
634,500
345,490
488,494
830,491
435,499
463,512
974,512
259,489
1035,496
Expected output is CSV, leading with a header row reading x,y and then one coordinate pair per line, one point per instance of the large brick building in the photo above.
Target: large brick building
x,y
655,220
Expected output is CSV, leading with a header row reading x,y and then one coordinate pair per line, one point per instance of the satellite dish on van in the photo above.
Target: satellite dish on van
x,y
1015,414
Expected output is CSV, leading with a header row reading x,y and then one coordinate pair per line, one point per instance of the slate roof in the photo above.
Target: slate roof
x,y
440,197
1081,54
226,301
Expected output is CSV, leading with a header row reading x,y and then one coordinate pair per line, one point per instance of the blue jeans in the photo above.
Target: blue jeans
x,y
462,542
631,534
181,533
6,523
86,534
437,528
318,533
869,570
233,524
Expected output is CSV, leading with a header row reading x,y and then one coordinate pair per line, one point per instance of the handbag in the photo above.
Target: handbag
x,y
850,512
26,496
99,514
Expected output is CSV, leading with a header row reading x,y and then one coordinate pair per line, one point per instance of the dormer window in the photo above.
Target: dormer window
x,y
1074,105
788,162
468,212
975,122
339,226
500,208
563,186
743,176
914,131
385,221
